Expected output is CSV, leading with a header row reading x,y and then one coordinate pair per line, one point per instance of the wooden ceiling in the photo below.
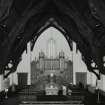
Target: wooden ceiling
x,y
82,21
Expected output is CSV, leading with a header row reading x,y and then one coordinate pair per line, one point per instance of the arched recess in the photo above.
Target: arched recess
x,y
59,34
51,23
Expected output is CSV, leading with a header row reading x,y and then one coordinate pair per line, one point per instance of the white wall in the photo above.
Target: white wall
x,y
4,83
79,65
23,67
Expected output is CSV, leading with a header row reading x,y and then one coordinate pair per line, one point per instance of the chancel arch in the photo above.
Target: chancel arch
x,y
49,38
41,45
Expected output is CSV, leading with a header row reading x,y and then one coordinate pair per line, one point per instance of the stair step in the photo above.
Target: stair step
x,y
51,103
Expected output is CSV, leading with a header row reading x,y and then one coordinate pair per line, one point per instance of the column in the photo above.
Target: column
x,y
13,78
74,62
29,63
89,78
102,82
93,80
1,83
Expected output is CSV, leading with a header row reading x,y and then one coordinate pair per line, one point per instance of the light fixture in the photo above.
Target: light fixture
x,y
104,64
51,74
103,58
93,64
104,61
10,65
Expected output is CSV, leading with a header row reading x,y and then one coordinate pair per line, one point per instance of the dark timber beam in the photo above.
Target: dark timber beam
x,y
97,8
83,22
85,31
8,43
5,6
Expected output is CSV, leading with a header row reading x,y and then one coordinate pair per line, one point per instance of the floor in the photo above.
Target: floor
x,y
24,99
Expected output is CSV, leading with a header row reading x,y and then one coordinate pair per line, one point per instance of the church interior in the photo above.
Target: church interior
x,y
54,76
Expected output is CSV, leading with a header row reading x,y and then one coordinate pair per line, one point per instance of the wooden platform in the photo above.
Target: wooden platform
x,y
29,96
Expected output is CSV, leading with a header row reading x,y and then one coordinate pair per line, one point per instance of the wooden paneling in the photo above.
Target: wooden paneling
x,y
22,79
81,77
